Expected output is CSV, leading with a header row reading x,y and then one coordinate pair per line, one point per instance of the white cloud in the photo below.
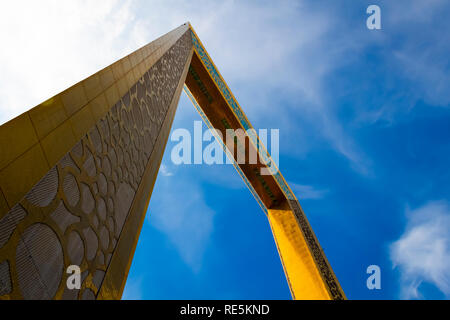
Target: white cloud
x,y
422,254
165,171
49,45
182,214
304,192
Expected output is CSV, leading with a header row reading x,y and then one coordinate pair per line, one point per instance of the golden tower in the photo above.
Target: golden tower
x,y
77,173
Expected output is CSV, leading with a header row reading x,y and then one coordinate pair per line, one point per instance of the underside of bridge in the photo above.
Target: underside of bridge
x,y
77,173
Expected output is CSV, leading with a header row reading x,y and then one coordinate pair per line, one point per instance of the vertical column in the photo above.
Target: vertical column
x,y
74,190
307,270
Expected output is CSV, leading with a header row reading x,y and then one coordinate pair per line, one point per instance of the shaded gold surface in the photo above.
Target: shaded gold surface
x,y
48,116
104,134
55,144
55,115
22,142
20,175
3,204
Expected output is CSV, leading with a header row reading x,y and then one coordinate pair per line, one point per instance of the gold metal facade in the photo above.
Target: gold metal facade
x,y
77,173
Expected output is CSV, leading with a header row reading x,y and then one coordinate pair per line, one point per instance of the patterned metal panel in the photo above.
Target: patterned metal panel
x,y
75,213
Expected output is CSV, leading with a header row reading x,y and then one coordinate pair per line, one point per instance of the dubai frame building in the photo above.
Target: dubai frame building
x,y
77,173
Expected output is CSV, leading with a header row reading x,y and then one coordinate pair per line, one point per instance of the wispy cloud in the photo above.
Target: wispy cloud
x,y
50,45
422,254
183,215
415,55
304,192
133,290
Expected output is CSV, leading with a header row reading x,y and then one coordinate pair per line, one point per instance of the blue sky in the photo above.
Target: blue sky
x,y
364,136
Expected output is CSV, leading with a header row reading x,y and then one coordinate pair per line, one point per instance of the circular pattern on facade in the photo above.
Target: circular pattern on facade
x,y
39,262
42,194
71,190
75,248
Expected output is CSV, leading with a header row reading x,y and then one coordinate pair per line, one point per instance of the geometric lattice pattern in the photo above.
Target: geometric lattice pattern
x,y
75,213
